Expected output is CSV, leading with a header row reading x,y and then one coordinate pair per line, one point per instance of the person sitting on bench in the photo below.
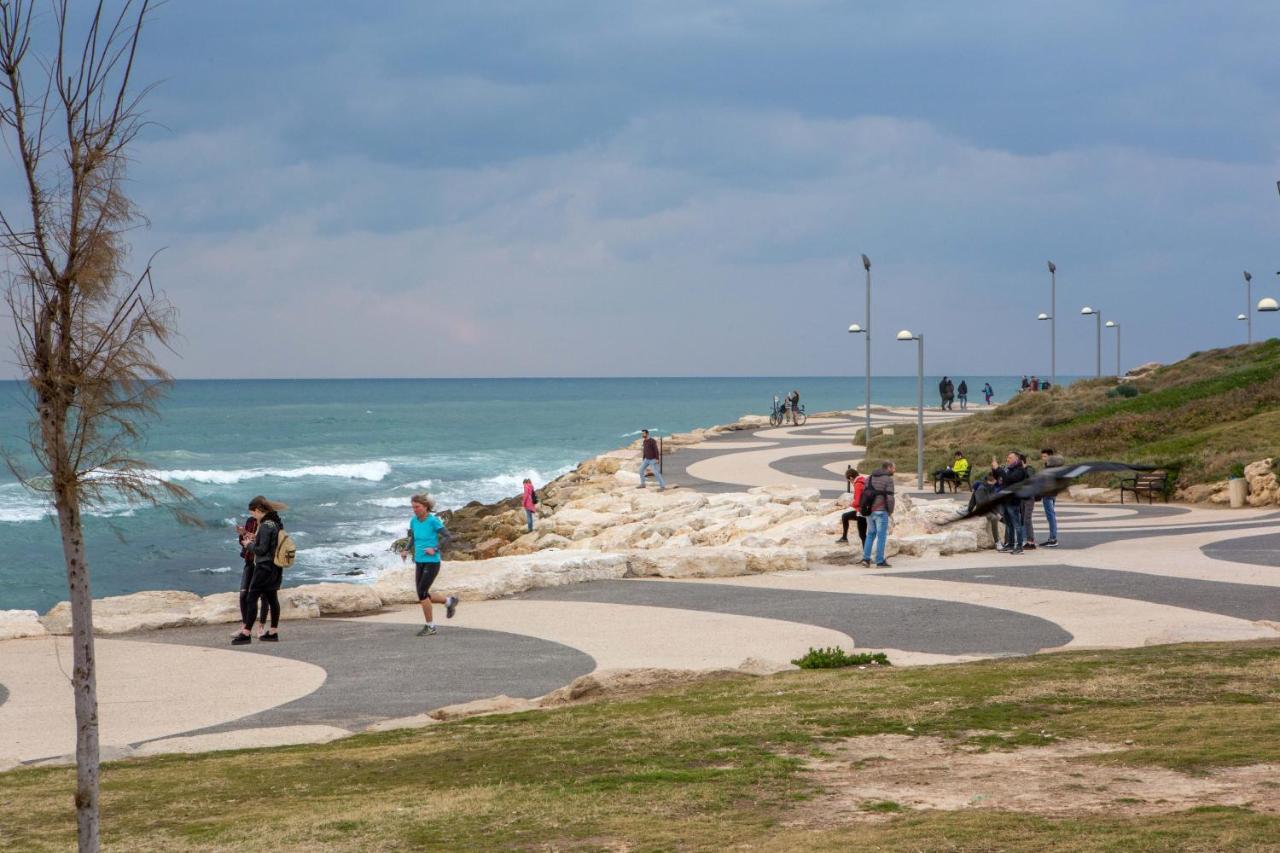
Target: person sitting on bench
x,y
957,472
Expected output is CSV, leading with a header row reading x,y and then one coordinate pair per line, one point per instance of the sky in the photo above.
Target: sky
x,y
684,188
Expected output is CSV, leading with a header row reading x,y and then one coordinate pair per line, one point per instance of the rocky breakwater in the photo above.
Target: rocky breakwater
x,y
593,524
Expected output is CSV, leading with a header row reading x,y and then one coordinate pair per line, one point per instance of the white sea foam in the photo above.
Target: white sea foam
x,y
372,471
389,503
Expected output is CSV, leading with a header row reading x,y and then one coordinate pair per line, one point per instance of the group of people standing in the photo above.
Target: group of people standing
x,y
1034,384
948,392
1018,515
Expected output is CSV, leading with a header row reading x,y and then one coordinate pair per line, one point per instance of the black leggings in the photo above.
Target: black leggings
x,y
270,599
245,579
862,524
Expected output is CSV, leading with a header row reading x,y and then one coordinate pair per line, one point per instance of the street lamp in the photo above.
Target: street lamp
x,y
1086,311
1248,300
905,335
1112,324
1053,324
866,330
1268,304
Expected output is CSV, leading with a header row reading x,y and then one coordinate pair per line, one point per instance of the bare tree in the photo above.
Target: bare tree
x,y
84,324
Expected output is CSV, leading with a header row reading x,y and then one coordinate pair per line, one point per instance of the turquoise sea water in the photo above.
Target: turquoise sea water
x,y
346,454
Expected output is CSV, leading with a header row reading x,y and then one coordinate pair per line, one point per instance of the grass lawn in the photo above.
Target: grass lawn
x,y
721,764
1196,417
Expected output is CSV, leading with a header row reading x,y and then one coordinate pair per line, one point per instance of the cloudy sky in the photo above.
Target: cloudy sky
x,y
683,188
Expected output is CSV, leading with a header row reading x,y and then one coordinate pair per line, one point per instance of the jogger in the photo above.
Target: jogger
x,y
427,538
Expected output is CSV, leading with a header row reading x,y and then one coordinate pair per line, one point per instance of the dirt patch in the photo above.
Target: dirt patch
x,y
870,778
615,683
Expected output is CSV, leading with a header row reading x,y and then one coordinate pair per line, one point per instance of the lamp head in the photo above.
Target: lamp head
x,y
1241,317
866,263
1086,310
1052,267
1044,316
855,329
1268,304
1111,324
905,335
1247,277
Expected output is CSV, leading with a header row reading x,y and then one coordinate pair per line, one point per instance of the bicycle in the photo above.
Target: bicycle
x,y
779,414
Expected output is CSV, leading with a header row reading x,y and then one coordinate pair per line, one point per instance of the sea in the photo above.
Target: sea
x,y
346,454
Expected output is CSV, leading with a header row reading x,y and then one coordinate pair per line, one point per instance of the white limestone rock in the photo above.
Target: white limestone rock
x,y
118,614
334,599
15,624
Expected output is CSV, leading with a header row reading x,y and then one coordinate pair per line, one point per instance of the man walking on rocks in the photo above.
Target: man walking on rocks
x,y
652,459
427,538
877,503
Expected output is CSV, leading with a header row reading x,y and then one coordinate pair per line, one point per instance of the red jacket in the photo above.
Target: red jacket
x,y
859,483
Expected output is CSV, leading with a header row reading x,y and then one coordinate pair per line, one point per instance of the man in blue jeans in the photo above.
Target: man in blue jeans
x,y
652,459
881,507
1049,502
1010,475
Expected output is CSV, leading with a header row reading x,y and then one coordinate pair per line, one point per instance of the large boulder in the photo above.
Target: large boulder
x,y
1263,487
15,624
335,599
118,614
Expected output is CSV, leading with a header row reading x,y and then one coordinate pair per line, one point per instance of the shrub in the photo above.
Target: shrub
x,y
835,657
1126,390
1236,471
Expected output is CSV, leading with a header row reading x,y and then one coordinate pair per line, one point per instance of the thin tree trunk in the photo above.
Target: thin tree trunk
x,y
83,679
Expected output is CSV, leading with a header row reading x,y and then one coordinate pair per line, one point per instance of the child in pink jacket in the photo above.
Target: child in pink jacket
x,y
530,502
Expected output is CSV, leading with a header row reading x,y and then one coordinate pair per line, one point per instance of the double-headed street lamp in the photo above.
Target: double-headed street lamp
x,y
1248,301
906,335
1053,324
1097,315
1112,324
866,330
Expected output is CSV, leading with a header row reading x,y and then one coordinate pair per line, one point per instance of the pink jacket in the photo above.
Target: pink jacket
x,y
528,498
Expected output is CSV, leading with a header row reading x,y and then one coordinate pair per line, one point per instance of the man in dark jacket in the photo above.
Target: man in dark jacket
x,y
1011,474
877,496
651,460
982,492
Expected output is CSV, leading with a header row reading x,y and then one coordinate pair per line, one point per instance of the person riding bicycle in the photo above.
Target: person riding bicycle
x,y
793,404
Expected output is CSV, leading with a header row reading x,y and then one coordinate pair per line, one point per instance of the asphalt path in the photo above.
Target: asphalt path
x,y
379,670
1261,550
1242,601
874,621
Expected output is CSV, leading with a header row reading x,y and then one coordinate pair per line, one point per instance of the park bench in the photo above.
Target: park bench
x,y
955,482
1150,483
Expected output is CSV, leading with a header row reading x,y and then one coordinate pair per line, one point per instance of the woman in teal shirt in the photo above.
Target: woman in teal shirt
x,y
427,538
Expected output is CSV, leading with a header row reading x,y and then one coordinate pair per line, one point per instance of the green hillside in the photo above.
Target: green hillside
x,y
1198,418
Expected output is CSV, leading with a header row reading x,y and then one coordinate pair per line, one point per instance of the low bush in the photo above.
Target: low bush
x,y
1127,391
835,657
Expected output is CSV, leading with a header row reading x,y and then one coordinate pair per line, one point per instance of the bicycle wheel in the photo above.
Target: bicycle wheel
x,y
801,417
775,419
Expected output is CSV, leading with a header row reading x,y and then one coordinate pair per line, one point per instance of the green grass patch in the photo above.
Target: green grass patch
x,y
714,765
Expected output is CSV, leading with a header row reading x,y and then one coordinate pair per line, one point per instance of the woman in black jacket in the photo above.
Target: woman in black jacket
x,y
267,576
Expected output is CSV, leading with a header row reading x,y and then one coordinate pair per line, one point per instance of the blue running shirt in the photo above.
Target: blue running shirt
x,y
426,534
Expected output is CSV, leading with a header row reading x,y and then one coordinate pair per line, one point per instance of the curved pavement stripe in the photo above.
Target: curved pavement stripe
x,y
1242,601
146,690
4,694
378,670
874,621
1261,550
623,636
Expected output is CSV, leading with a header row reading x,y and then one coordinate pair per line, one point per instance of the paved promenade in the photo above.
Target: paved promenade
x,y
1124,576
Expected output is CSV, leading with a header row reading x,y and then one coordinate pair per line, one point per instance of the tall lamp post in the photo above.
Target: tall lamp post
x,y
1097,315
1053,323
906,335
1248,301
1112,324
866,330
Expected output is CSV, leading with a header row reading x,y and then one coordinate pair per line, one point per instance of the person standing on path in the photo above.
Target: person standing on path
x,y
1050,502
247,532
981,492
1028,510
942,392
879,505
988,392
793,405
427,538
650,460
530,502
963,393
1007,477
856,482
267,576
948,395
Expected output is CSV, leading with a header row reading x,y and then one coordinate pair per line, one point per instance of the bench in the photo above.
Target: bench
x,y
953,481
1151,484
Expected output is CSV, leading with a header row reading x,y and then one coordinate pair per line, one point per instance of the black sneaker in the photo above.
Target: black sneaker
x,y
866,564
450,606
843,540
270,638
883,566
427,631
241,640
1050,543
1030,546
1016,551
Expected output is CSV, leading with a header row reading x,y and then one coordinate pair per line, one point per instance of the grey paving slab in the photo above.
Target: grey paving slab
x,y
874,621
1243,601
1263,550
378,670
1073,540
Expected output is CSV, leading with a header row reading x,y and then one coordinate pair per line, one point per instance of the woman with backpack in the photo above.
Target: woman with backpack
x,y
246,575
529,502
268,574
